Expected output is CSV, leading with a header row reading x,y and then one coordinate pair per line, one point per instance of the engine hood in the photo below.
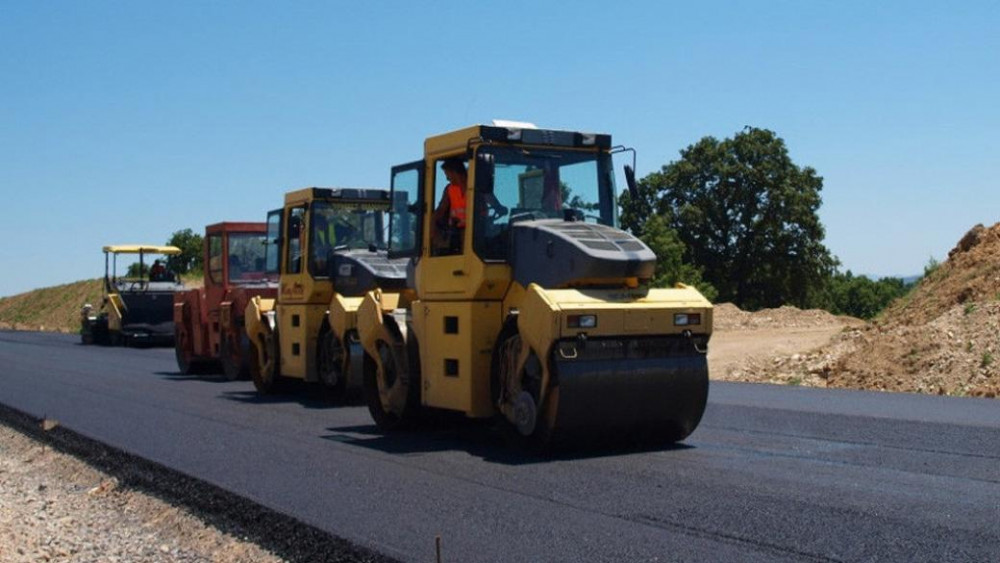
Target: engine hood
x,y
356,272
556,253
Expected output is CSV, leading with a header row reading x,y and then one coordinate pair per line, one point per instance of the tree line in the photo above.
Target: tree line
x,y
189,261
738,219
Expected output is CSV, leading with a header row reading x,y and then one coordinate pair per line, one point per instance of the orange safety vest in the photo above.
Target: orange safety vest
x,y
456,205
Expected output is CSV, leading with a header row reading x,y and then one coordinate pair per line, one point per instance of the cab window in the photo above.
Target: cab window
x,y
295,234
215,258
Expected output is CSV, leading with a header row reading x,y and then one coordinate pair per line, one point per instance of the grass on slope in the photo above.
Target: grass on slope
x,y
52,308
58,308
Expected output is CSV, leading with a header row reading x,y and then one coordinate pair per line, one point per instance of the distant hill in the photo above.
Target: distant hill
x,y
52,308
57,308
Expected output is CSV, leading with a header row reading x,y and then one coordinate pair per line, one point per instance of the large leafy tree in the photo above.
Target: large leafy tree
x,y
191,245
747,216
862,297
670,265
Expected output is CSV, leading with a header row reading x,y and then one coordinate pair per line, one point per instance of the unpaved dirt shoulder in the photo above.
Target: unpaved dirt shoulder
x,y
733,355
746,346
53,507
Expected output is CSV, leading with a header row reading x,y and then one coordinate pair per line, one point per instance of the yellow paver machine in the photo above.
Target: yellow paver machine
x,y
137,307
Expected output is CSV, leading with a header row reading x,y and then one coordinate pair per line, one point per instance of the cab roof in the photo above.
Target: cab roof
x,y
143,248
512,133
376,196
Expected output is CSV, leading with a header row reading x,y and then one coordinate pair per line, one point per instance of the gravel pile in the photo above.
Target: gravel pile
x,y
726,316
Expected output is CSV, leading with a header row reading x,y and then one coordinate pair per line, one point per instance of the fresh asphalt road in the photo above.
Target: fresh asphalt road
x,y
772,473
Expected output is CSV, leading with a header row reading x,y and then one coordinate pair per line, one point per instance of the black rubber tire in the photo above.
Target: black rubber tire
x,y
233,357
270,382
326,360
186,364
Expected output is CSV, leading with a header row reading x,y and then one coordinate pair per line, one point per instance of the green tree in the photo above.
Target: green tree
x,y
862,297
931,267
136,270
192,246
747,216
670,265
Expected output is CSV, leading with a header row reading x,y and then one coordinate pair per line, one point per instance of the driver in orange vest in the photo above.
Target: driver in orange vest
x,y
449,217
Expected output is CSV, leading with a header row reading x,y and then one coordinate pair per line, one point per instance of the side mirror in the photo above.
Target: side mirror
x,y
633,191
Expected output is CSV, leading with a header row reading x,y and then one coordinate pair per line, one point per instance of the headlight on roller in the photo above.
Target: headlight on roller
x,y
687,319
581,321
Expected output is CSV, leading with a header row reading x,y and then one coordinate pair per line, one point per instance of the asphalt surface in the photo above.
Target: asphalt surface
x,y
772,473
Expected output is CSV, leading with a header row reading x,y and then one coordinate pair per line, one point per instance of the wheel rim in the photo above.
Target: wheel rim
x,y
525,413
329,358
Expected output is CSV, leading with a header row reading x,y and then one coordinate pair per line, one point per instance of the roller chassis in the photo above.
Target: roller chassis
x,y
308,330
209,321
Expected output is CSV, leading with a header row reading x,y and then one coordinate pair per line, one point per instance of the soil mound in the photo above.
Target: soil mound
x,y
727,316
943,338
971,274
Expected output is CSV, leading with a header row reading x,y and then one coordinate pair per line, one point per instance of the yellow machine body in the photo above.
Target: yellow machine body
x,y
136,308
481,337
307,331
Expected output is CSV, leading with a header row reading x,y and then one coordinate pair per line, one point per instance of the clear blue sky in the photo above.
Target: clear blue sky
x,y
126,121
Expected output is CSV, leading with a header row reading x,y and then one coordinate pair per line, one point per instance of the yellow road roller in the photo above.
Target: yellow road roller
x,y
327,248
528,303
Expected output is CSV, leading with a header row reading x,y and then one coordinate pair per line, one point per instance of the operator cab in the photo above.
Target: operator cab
x,y
524,185
236,256
333,234
516,175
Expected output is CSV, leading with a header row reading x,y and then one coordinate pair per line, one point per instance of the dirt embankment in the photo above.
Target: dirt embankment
x,y
55,309
942,338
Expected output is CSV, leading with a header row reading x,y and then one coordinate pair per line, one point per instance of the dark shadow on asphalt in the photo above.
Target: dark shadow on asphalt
x,y
486,440
207,377
309,398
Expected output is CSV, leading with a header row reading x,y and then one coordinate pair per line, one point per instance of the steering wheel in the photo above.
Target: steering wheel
x,y
528,215
496,213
